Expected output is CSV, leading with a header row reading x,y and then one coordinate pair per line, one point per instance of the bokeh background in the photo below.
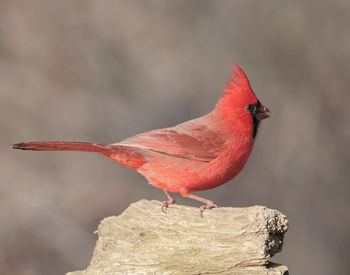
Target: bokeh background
x,y
101,71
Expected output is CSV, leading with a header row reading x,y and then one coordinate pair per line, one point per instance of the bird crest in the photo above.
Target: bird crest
x,y
239,86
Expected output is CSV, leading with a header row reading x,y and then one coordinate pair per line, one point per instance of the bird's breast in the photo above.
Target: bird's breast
x,y
186,175
229,163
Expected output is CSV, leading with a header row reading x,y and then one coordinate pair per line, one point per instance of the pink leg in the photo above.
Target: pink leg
x,y
208,203
170,200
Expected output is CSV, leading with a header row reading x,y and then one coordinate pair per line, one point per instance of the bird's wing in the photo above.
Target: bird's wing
x,y
190,141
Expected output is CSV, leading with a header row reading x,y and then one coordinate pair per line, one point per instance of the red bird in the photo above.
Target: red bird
x,y
196,155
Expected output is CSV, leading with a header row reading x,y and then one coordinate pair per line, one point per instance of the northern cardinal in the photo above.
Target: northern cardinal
x,y
196,155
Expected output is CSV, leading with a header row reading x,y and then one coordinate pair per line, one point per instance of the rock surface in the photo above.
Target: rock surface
x,y
143,240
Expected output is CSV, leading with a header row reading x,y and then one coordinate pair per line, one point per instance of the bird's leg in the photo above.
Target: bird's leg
x,y
170,200
208,203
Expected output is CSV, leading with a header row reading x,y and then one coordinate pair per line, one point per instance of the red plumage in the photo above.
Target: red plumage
x,y
196,155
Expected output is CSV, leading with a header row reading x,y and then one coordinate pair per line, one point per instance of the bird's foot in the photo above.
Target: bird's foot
x,y
170,200
166,203
209,205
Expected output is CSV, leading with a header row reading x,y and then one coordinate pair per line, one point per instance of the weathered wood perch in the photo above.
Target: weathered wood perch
x,y
143,240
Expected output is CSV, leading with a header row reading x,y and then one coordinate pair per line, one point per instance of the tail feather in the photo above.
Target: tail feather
x,y
61,146
126,155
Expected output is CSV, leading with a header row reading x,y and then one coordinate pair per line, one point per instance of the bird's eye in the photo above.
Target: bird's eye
x,y
250,107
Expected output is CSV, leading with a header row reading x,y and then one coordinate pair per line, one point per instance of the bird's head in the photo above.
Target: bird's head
x,y
240,105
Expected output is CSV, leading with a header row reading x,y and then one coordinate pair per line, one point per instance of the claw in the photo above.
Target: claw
x,y
209,205
170,200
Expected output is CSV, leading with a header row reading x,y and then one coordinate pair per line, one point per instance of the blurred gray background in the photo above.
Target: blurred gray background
x,y
101,71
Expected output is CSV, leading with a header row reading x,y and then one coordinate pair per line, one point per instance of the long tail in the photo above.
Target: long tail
x,y
126,155
61,146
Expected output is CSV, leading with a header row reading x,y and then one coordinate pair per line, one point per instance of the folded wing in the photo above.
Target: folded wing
x,y
191,141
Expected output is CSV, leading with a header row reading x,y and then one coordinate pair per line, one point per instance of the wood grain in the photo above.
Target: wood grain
x,y
143,240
